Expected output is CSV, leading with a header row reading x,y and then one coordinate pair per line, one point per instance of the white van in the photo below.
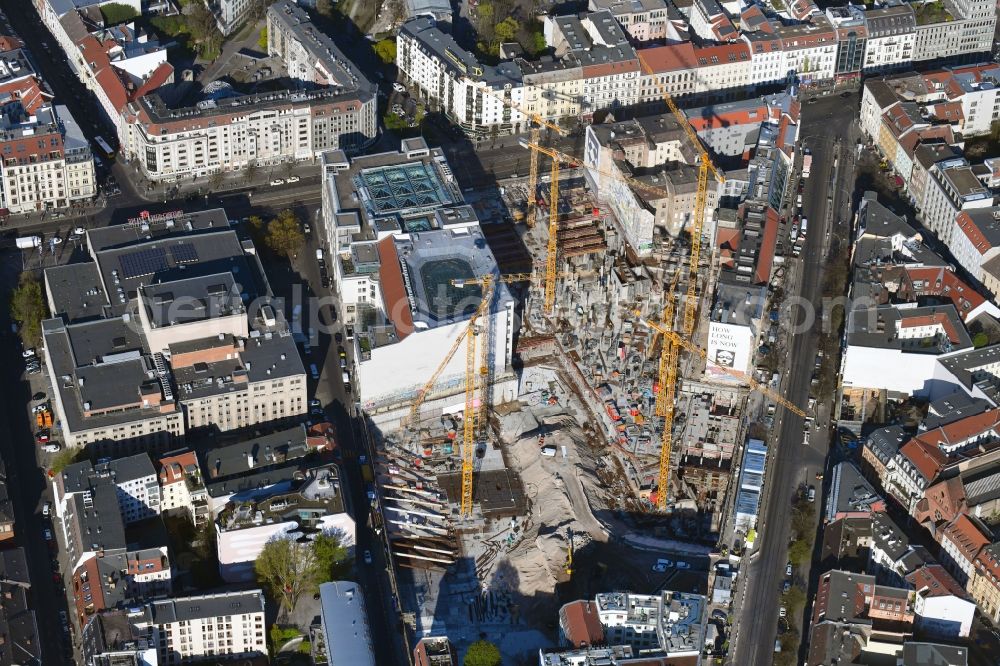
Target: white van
x,y
314,371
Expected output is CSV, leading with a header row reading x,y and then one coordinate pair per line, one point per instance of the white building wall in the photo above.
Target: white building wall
x,y
141,66
944,617
912,374
397,371
888,52
980,108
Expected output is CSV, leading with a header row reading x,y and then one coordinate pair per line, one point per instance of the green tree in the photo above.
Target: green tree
x,y
284,233
325,8
794,599
385,49
262,39
251,171
115,13
482,653
64,458
333,562
27,307
799,552
288,570
980,340
506,29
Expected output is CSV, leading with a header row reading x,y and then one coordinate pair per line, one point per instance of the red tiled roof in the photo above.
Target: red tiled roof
x,y
727,238
9,43
950,111
940,319
942,282
580,623
28,91
669,58
960,431
393,288
972,232
725,54
172,467
966,536
767,248
927,458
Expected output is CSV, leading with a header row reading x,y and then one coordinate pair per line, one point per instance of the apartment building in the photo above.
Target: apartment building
x,y
891,32
261,129
951,29
810,49
226,624
952,188
311,501
134,479
452,80
984,586
961,541
671,623
112,638
230,14
256,466
975,239
47,161
344,633
181,486
150,339
644,21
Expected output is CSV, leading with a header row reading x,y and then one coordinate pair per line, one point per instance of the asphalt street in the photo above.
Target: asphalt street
x,y
337,404
790,463
26,483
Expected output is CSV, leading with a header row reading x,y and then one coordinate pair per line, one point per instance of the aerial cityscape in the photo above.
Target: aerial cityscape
x,y
500,332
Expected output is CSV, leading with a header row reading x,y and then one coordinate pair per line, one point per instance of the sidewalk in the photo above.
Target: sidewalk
x,y
60,217
230,181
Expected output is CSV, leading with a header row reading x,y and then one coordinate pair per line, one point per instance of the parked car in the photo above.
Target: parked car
x,y
399,87
47,533
812,493
338,337
683,565
28,353
368,557
662,565
314,402
786,587
47,509
43,436
293,179
788,569
51,447
782,612
39,396
277,181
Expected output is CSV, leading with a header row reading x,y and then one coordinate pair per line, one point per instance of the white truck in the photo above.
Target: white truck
x,y
26,242
807,162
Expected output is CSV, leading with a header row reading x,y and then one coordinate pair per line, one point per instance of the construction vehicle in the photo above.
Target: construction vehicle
x,y
568,566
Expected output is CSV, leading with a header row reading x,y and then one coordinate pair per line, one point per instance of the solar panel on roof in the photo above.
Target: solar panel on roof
x,y
184,253
143,262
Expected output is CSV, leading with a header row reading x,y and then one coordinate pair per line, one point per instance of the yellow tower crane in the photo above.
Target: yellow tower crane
x,y
705,167
742,376
470,417
665,396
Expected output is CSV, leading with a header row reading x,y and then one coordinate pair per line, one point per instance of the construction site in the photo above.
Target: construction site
x,y
607,439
